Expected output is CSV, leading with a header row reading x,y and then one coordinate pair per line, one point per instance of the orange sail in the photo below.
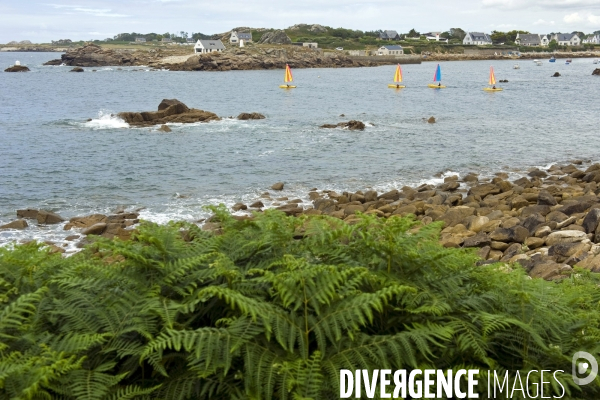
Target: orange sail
x,y
492,77
398,74
288,74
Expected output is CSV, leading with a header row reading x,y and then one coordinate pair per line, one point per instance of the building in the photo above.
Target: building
x,y
528,39
567,39
435,36
389,35
237,37
208,46
477,38
594,39
140,40
166,40
310,45
545,39
393,50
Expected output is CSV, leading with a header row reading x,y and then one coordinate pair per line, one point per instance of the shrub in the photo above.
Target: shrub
x,y
274,307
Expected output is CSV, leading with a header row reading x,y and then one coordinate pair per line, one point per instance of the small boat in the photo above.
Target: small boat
x,y
492,82
437,77
552,59
537,62
287,78
569,61
516,66
595,61
397,79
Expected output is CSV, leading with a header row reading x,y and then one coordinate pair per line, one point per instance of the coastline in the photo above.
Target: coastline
x,y
547,219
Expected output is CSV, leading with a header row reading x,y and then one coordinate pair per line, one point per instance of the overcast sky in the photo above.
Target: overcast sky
x,y
85,20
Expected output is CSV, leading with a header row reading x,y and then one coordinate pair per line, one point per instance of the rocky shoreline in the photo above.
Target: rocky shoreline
x,y
547,221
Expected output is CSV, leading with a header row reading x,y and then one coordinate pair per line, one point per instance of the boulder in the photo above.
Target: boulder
x,y
239,206
275,37
556,75
29,213
17,68
550,271
175,112
516,234
164,128
16,224
479,240
564,250
77,69
84,222
246,116
546,199
257,204
532,222
596,71
352,125
456,215
534,242
537,173
511,251
478,223
575,208
277,186
484,190
591,220
391,195
96,229
48,217
570,236
431,120
166,103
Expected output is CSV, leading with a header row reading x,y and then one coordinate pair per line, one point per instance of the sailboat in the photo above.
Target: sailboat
x,y
397,79
492,82
437,78
287,78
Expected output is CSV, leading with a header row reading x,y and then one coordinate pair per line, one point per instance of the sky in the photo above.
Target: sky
x,y
41,22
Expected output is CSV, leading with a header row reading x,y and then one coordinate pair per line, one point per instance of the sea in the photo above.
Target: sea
x,y
63,149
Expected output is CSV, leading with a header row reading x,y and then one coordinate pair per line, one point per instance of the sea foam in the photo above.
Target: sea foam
x,y
106,120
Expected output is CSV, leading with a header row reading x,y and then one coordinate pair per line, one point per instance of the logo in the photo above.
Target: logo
x,y
580,367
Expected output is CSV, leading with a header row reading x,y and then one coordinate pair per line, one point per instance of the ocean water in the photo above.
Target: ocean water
x,y
51,157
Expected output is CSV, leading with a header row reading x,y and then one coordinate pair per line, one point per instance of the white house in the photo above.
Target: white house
x,y
595,39
545,39
208,46
477,38
140,40
567,39
390,50
528,39
238,37
435,36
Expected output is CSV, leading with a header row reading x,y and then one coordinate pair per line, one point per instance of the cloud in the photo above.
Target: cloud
x,y
586,18
96,12
543,22
542,4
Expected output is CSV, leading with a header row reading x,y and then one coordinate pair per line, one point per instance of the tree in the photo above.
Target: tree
x,y
457,33
511,36
553,45
498,37
413,33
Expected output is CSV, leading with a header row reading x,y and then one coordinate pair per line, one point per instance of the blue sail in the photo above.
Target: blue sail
x,y
438,74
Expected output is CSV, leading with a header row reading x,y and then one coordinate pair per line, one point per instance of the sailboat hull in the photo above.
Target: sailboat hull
x,y
287,87
394,86
487,89
431,85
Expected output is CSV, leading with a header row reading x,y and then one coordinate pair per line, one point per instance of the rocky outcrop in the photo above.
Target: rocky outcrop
x,y
92,55
275,37
596,71
77,69
556,75
168,111
17,68
352,125
17,224
246,116
48,218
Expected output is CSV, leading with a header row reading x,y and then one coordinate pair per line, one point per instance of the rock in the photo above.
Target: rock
x,y
478,223
591,220
470,177
542,232
457,214
405,210
17,68
536,209
246,116
370,195
484,190
479,240
546,199
96,229
48,217
352,125
484,252
353,209
325,205
511,251
29,213
516,234
391,195
550,271
17,224
596,71
591,263
565,237
84,222
534,242
275,37
175,112
556,75
537,173
575,208
277,186
564,250
431,120
532,222
164,128
257,204
239,206
77,69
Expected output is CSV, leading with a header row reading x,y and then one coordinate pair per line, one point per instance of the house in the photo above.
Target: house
x,y
594,39
310,45
237,37
545,39
477,38
435,36
528,39
208,46
389,35
393,50
567,39
166,40
190,41
140,40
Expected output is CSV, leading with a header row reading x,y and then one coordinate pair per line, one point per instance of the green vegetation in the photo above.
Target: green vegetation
x,y
274,307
